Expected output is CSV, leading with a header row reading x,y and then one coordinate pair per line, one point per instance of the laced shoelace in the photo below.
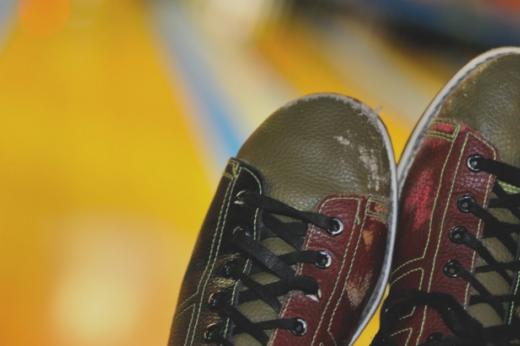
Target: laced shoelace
x,y
247,247
467,330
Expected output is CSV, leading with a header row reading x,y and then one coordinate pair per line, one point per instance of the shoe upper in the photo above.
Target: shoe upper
x,y
455,278
293,245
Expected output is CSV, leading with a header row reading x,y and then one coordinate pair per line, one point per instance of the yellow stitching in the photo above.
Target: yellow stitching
x,y
441,226
311,230
434,207
345,255
235,287
421,270
191,321
445,121
408,273
212,243
212,260
183,311
409,330
360,233
439,135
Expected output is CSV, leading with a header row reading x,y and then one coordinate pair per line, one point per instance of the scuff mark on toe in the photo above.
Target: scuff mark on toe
x,y
369,159
342,140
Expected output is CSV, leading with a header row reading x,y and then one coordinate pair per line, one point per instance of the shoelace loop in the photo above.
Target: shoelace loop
x,y
263,259
466,330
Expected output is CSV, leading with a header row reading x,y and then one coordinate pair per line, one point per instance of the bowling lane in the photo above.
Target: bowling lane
x,y
117,119
103,179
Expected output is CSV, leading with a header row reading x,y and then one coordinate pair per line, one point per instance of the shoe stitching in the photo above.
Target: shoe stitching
x,y
439,136
421,270
344,258
229,176
300,268
434,207
353,259
255,221
441,226
409,330
211,261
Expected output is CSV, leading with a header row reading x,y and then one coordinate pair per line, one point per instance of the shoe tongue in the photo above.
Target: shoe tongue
x,y
258,310
493,281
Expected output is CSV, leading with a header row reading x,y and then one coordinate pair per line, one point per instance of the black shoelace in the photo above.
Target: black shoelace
x,y
264,260
466,330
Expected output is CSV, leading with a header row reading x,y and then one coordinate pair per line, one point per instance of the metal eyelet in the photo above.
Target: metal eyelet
x,y
464,203
244,231
324,260
315,296
473,162
215,300
212,333
238,197
457,234
452,269
336,227
301,327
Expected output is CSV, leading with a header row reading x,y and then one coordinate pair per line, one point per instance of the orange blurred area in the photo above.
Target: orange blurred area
x,y
117,118
43,17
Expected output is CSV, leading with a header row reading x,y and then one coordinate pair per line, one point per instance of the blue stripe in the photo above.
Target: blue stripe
x,y
7,12
186,50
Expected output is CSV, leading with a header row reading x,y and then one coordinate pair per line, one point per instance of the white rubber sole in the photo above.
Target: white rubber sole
x,y
433,109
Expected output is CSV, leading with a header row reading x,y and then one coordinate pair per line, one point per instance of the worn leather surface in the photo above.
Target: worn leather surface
x,y
317,146
488,100
346,285
308,151
314,147
203,277
438,177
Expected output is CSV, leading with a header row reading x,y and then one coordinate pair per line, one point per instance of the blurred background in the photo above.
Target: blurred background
x,y
117,117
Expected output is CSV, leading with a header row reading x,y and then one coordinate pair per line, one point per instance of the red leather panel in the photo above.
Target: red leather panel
x,y
438,177
357,256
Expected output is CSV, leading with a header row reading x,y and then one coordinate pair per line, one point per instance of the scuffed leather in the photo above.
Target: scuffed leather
x,y
320,145
488,99
438,177
345,286
193,315
317,147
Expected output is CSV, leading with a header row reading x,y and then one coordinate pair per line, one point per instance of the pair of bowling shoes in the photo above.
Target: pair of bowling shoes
x,y
312,219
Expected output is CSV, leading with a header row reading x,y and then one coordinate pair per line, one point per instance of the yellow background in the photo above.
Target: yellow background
x,y
108,153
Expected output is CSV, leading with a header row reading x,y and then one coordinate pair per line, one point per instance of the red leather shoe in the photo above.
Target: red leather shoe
x,y
455,278
296,246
